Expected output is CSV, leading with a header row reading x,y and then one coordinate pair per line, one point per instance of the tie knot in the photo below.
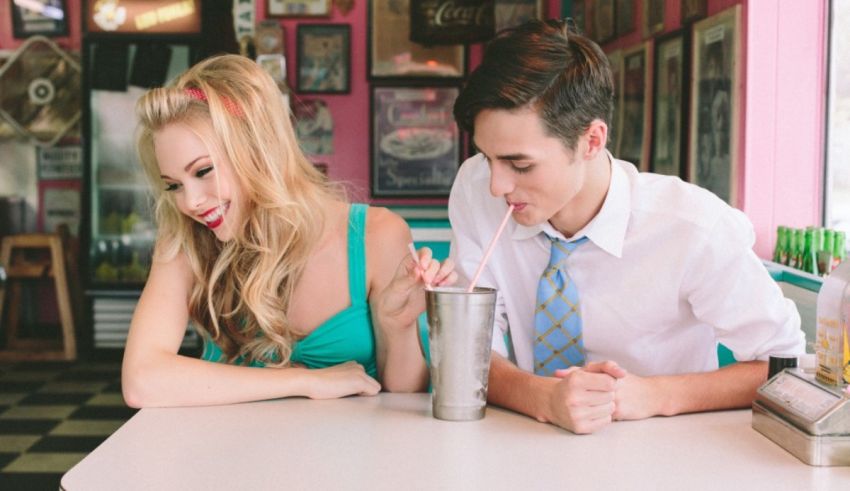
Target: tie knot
x,y
562,249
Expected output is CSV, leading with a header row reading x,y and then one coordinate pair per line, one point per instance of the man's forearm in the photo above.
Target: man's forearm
x,y
730,387
518,390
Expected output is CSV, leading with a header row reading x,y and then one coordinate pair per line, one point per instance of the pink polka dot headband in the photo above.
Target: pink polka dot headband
x,y
198,94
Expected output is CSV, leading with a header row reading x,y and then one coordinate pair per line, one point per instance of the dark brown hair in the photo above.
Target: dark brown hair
x,y
562,74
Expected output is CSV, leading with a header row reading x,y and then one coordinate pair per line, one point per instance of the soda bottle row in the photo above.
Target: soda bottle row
x,y
815,250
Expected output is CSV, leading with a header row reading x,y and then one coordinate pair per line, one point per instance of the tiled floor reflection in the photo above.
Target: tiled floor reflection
x,y
52,415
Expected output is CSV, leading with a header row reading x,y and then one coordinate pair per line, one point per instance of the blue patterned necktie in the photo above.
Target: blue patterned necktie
x,y
557,319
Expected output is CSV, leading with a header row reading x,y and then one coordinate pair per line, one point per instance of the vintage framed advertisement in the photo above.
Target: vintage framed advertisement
x,y
669,105
298,8
615,58
511,13
653,17
693,10
636,97
59,203
59,162
39,17
274,65
314,126
712,160
604,28
392,56
323,58
415,143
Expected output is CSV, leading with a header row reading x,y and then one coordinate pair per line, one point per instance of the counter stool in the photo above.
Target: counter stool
x,y
19,268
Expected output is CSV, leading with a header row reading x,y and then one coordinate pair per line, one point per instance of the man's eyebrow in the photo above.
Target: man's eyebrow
x,y
514,156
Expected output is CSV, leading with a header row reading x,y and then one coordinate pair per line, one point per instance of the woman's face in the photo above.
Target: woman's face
x,y
203,185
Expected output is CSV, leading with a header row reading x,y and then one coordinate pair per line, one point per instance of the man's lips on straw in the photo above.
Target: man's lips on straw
x,y
517,206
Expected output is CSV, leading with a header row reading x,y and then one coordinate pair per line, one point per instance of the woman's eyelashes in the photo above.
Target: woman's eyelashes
x,y
200,173
204,171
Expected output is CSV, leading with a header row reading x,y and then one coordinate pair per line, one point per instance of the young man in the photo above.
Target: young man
x,y
614,287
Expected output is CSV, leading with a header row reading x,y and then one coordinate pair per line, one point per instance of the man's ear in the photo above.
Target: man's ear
x,y
596,136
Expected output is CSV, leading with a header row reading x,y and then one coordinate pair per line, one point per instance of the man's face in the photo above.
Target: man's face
x,y
529,168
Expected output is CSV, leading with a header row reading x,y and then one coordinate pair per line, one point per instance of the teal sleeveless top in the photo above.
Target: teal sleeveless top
x,y
348,335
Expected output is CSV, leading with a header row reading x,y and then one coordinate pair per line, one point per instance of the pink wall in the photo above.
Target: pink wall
x,y
785,105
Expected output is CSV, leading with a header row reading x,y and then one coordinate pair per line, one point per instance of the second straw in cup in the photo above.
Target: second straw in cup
x,y
460,329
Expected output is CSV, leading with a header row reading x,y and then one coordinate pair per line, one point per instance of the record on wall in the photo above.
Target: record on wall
x,y
40,94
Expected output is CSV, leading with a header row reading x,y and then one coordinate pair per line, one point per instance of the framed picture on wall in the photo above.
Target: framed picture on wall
x,y
653,17
604,28
636,97
314,126
579,16
693,10
415,143
669,105
298,8
323,58
392,56
615,58
625,17
39,17
511,13
712,160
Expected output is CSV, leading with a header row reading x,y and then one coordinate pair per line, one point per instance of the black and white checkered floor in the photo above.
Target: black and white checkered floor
x,y
52,415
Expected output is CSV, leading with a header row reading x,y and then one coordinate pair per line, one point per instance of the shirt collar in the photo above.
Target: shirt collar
x,y
608,228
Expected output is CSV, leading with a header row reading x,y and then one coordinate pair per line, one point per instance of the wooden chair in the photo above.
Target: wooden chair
x,y
54,266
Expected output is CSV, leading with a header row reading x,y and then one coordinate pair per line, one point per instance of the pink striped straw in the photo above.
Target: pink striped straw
x,y
415,255
490,249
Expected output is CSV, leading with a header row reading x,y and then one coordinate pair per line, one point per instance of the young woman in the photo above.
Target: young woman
x,y
296,291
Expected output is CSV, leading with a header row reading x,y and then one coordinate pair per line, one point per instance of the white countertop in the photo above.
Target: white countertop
x,y
391,442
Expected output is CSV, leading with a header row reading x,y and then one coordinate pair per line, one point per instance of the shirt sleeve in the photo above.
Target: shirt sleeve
x,y
467,248
729,288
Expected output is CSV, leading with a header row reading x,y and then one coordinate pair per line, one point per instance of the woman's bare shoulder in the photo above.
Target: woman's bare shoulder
x,y
384,225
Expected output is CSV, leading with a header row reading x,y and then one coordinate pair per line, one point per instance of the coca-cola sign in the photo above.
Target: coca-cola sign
x,y
451,21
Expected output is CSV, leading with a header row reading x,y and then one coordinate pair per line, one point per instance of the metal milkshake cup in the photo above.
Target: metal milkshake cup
x,y
460,329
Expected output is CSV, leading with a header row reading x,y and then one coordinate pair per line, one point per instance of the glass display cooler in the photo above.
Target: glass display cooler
x,y
124,54
121,225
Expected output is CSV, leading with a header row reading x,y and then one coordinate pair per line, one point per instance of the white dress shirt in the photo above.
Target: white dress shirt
x,y
667,274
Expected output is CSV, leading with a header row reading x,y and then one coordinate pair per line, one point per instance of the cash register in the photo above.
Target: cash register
x,y
807,412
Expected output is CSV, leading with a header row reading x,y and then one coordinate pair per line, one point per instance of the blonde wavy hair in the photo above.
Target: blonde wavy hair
x,y
243,287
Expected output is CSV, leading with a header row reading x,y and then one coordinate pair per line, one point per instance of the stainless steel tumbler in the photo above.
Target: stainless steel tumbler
x,y
460,328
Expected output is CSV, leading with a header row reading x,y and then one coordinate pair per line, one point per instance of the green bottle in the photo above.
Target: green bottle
x,y
781,247
838,252
793,248
825,253
810,261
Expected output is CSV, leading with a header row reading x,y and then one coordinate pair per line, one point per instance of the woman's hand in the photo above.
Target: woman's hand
x,y
347,379
403,300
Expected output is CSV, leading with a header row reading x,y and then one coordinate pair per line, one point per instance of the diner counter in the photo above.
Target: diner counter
x,y
391,442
